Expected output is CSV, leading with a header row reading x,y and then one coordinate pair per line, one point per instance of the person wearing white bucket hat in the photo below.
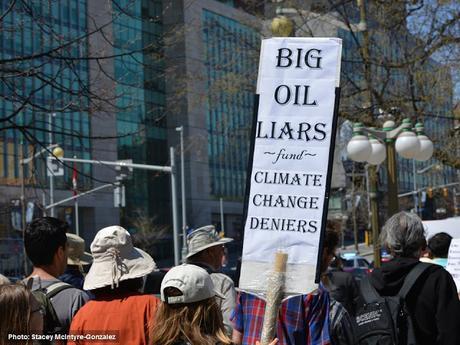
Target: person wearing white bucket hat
x,y
189,314
116,278
206,249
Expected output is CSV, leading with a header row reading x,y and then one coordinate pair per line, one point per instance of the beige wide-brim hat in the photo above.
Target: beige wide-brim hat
x,y
76,254
204,238
115,259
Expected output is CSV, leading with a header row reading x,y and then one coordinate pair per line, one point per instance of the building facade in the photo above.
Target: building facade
x,y
211,77
142,44
45,98
155,66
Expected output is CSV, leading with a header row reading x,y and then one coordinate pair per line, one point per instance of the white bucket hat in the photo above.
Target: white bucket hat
x,y
204,238
76,254
193,281
115,259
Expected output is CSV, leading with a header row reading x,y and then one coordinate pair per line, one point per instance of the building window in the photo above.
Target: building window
x,y
231,60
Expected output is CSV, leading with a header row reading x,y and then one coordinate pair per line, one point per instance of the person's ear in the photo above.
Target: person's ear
x,y
61,254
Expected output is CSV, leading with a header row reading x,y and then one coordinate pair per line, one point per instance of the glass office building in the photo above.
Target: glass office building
x,y
231,60
44,75
141,122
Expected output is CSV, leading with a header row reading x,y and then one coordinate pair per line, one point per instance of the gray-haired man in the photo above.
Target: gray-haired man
x,y
432,302
206,249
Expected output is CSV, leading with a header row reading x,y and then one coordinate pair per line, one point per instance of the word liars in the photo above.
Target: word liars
x,y
291,131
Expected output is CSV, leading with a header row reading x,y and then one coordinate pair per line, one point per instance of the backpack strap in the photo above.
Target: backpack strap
x,y
368,292
55,288
412,278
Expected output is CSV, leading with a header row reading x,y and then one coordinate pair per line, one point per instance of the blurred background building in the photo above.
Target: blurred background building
x,y
158,65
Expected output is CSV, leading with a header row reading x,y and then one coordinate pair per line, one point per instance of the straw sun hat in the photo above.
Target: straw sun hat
x,y
204,238
76,254
116,259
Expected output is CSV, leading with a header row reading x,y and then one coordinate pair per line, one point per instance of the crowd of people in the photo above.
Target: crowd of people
x,y
199,305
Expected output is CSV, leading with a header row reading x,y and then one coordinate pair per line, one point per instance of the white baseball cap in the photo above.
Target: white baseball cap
x,y
192,281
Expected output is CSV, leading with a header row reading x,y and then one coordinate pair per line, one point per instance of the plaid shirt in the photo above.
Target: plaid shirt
x,y
302,320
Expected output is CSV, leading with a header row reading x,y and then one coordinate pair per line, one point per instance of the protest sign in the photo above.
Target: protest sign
x,y
291,160
453,261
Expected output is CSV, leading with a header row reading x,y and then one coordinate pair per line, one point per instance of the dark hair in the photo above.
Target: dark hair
x,y
439,245
125,286
337,262
331,238
42,239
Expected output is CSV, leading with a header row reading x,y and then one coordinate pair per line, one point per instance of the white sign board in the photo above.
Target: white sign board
x,y
54,168
291,159
453,261
448,225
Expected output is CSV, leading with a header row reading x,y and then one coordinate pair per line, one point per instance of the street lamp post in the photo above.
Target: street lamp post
x,y
57,151
222,217
374,213
393,202
51,173
415,196
400,139
22,162
23,206
182,187
174,207
370,149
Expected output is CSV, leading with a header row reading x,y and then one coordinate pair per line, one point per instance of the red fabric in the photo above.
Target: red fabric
x,y
130,317
302,319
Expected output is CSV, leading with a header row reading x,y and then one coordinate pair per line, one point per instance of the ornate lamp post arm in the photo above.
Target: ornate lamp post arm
x,y
388,136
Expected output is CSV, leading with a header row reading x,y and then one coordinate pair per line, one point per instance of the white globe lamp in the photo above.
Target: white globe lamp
x,y
378,152
426,145
359,148
407,143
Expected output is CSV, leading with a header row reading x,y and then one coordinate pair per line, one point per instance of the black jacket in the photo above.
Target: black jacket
x,y
433,301
343,288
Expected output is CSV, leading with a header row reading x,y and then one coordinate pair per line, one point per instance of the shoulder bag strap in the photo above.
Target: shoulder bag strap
x,y
368,292
53,289
412,278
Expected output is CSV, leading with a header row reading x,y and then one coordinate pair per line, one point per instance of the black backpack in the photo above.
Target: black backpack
x,y
385,320
44,296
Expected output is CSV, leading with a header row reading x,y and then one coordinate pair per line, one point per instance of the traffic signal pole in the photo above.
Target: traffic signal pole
x,y
167,169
